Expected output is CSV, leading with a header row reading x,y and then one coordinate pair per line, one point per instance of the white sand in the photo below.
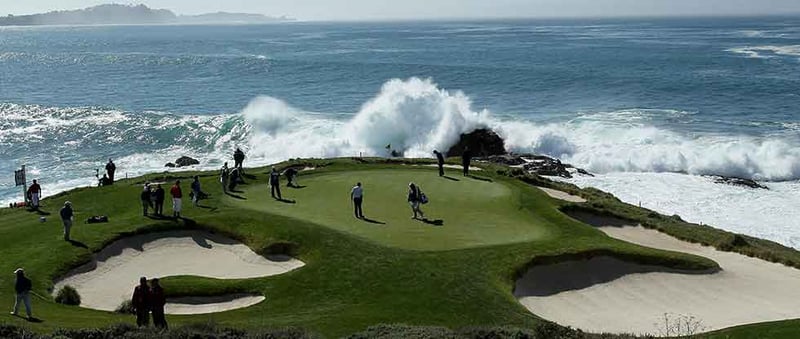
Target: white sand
x,y
561,195
109,279
204,305
608,295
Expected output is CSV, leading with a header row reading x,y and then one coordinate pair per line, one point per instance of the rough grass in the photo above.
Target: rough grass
x,y
353,279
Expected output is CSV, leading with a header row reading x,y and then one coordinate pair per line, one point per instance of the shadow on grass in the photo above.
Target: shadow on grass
x,y
297,187
436,222
285,201
450,178
38,211
472,176
235,195
372,221
78,244
249,176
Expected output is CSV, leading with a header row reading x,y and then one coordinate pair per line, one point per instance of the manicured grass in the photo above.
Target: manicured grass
x,y
358,274
472,212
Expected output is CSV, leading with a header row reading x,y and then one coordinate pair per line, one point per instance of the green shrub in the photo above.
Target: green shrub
x,y
126,307
67,295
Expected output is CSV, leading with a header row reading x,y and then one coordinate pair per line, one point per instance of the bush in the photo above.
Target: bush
x,y
68,296
126,307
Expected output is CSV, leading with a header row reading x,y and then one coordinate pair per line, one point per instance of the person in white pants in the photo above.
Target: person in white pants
x,y
23,287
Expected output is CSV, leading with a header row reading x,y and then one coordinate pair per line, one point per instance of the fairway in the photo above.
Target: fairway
x,y
472,212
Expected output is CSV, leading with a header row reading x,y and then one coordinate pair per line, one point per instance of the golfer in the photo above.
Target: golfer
x,y
357,195
23,287
66,217
177,194
414,199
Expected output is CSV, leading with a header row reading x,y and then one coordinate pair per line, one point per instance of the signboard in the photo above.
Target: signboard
x,y
19,177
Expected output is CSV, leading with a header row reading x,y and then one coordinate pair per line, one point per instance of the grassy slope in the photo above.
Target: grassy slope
x,y
355,277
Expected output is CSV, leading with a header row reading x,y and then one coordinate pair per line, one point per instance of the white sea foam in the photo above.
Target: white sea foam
x,y
64,146
767,51
769,214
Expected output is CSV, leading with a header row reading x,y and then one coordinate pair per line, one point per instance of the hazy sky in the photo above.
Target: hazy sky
x,y
426,9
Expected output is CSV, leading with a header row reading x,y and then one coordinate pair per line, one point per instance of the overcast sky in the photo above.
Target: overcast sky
x,y
429,9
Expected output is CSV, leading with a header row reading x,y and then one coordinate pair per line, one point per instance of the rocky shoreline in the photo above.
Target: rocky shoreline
x,y
487,146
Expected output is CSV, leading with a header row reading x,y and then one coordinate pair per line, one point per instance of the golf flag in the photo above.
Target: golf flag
x,y
19,177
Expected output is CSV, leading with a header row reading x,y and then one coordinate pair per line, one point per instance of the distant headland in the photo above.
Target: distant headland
x,y
115,14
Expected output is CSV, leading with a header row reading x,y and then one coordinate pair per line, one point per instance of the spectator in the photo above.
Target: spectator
x,y
141,303
159,200
66,217
110,169
145,197
22,286
157,302
177,194
196,190
35,192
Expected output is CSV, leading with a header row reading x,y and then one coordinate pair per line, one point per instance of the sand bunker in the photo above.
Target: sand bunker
x,y
561,195
609,295
110,277
204,305
458,167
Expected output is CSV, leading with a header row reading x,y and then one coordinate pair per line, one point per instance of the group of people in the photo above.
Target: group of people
x,y
466,159
108,177
146,299
152,197
415,199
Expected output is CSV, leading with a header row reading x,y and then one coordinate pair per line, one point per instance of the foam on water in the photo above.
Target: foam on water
x,y
64,146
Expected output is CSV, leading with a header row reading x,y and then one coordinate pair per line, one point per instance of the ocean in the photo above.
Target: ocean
x,y
648,105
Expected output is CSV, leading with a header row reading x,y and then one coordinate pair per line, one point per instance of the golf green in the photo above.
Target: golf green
x,y
463,211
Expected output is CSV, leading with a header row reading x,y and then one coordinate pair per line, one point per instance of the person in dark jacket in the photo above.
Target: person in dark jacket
x,y
141,303
466,158
238,159
196,190
440,162
291,177
145,197
275,184
157,302
415,200
66,218
224,174
110,169
159,200
22,287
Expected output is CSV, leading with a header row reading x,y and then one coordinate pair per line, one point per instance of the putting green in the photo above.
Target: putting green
x,y
476,212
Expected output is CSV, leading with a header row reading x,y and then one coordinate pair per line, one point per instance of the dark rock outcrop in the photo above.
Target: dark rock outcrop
x,y
506,159
543,165
186,161
481,142
739,182
170,165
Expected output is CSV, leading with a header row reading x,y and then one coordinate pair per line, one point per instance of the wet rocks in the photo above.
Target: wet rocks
x,y
183,161
481,142
739,182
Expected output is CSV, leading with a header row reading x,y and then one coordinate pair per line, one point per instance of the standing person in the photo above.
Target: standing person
x,y
145,197
159,199
224,174
177,194
110,169
466,157
238,158
275,184
157,302
414,199
291,177
440,162
66,217
22,286
141,303
196,190
357,195
35,192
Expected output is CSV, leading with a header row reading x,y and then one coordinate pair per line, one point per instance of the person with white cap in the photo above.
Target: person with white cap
x,y
22,286
66,217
